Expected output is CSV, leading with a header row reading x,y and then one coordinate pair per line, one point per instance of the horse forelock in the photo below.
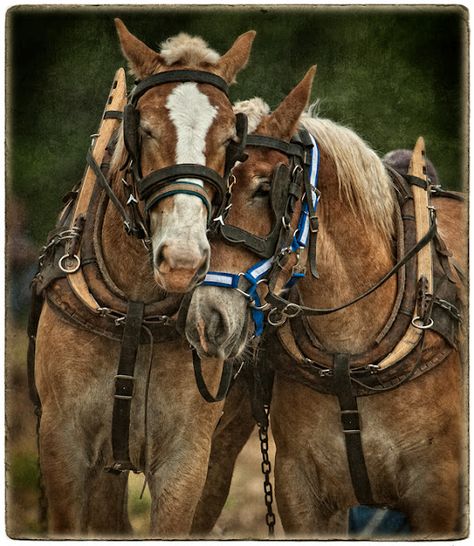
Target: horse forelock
x,y
188,50
255,109
362,177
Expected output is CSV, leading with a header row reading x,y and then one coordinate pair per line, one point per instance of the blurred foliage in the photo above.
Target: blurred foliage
x,y
24,471
391,73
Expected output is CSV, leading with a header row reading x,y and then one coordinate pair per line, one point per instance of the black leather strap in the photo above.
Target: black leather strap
x,y
124,387
416,181
150,183
224,384
236,149
313,225
178,76
109,191
114,114
281,303
173,188
287,148
351,428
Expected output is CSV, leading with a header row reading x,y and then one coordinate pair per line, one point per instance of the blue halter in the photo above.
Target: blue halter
x,y
257,273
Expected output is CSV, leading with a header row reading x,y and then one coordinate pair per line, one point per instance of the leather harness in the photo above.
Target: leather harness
x,y
303,359
72,276
296,353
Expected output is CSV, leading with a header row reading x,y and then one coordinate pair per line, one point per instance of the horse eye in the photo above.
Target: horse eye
x,y
146,132
263,189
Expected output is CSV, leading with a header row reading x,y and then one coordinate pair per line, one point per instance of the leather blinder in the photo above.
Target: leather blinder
x,y
131,122
264,246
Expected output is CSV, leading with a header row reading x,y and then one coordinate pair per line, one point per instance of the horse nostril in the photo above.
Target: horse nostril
x,y
217,327
204,267
160,256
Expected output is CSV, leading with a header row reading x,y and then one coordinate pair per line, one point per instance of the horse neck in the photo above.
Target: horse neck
x,y
125,257
351,255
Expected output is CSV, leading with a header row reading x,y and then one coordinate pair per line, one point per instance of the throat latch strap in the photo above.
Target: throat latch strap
x,y
351,428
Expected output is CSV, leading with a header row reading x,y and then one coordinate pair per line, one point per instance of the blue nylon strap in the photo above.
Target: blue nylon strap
x,y
300,240
303,224
224,280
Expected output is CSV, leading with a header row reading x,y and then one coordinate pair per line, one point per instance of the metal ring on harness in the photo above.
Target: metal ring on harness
x,y
422,326
75,265
277,322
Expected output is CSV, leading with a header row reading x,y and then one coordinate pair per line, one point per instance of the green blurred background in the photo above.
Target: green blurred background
x,y
390,73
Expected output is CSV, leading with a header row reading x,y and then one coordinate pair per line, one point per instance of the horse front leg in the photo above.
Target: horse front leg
x,y
312,484
74,380
230,436
64,472
179,440
107,510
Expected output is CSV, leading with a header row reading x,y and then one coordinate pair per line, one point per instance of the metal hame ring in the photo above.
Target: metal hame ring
x,y
422,326
73,267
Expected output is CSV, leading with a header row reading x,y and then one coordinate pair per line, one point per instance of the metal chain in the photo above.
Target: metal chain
x,y
266,470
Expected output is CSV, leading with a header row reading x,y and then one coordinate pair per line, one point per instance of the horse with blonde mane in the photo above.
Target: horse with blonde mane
x,y
166,176
393,440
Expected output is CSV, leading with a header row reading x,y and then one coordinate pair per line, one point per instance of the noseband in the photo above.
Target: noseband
x,y
181,178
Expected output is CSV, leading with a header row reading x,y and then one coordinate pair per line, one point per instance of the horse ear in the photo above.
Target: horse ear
x,y
282,123
142,60
237,57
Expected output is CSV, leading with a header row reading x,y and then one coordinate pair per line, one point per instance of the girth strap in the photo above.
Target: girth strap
x,y
351,427
124,387
226,379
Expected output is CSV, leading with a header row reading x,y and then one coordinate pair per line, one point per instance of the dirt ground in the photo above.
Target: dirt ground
x,y
243,515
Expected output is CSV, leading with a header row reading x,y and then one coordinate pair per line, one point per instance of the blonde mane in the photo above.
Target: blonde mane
x,y
254,109
362,177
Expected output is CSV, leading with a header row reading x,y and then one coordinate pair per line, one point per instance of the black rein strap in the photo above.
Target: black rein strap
x,y
224,384
281,304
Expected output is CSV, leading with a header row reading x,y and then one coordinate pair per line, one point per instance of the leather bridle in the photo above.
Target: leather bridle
x,y
292,183
180,178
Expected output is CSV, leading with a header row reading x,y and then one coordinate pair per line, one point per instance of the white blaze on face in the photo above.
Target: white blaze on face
x,y
192,115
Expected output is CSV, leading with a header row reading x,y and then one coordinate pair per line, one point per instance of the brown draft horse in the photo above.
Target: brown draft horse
x,y
171,425
413,436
